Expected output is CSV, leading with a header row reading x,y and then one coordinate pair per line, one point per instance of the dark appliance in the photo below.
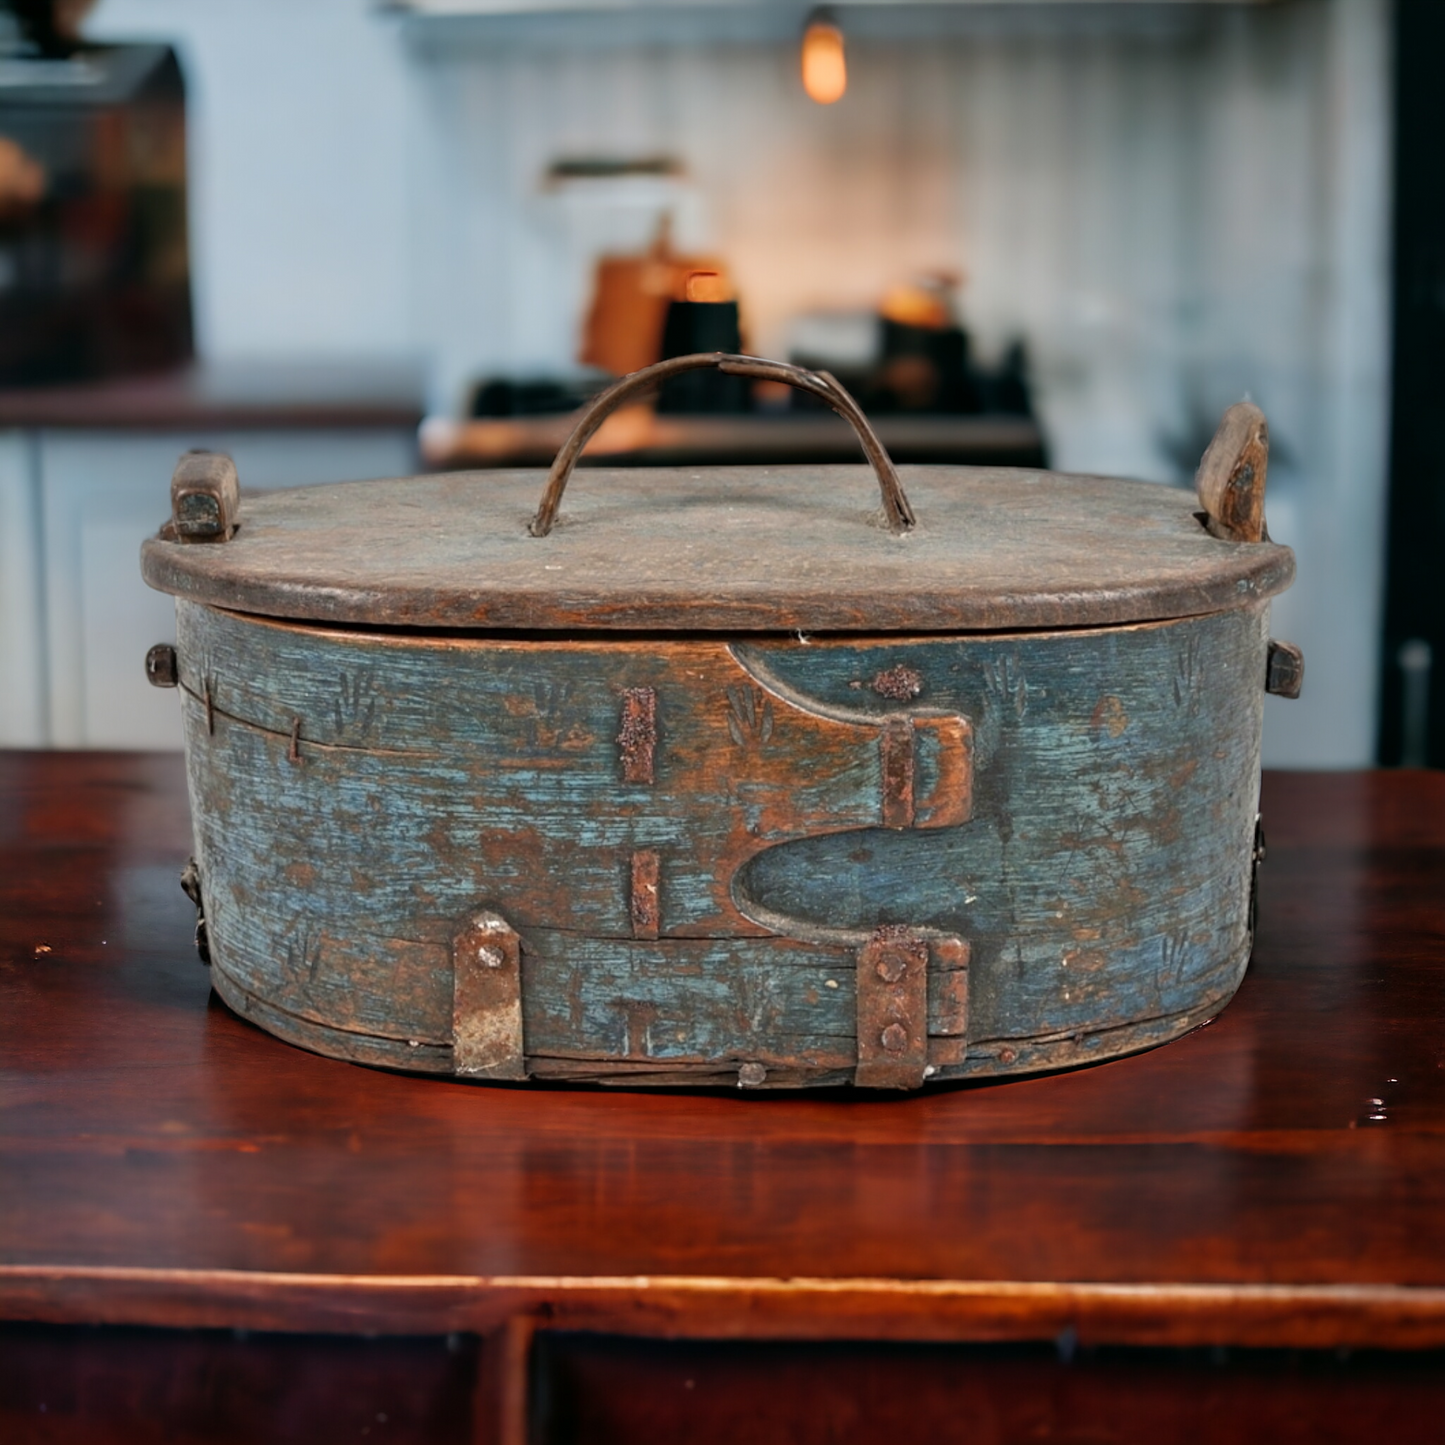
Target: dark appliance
x,y
94,267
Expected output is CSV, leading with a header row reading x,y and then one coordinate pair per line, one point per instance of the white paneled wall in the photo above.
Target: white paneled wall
x,y
300,206
1175,206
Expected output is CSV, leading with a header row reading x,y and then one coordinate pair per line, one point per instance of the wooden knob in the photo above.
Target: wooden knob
x,y
1231,475
205,498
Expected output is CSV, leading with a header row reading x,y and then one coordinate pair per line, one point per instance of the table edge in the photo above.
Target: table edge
x,y
683,1306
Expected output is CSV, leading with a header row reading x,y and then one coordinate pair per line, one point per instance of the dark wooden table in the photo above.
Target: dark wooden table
x,y
1272,1185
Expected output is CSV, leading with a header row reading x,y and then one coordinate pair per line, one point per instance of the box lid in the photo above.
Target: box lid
x,y
756,549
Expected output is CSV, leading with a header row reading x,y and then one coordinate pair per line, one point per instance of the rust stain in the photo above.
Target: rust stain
x,y
1168,828
896,749
1110,714
1182,774
637,735
645,909
1076,842
363,881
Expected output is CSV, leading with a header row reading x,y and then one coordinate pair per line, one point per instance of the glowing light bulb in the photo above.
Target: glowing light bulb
x,y
825,69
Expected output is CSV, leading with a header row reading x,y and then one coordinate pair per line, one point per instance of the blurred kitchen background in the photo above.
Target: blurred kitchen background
x,y
415,234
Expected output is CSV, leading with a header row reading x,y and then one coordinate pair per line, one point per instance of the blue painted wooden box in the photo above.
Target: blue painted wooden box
x,y
726,778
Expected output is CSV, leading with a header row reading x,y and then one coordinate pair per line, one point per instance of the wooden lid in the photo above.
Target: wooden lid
x,y
734,549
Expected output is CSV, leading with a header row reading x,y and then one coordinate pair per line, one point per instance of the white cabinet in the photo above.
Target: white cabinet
x,y
75,617
22,651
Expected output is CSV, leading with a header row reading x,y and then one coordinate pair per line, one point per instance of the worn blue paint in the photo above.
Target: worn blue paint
x,y
1102,880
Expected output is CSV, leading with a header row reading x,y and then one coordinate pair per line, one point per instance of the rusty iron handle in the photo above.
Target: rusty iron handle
x,y
818,383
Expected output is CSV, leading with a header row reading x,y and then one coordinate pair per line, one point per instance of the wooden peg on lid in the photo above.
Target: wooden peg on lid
x,y
1231,475
205,498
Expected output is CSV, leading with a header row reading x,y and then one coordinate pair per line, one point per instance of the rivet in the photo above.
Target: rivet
x,y
894,1038
161,667
492,957
751,1075
891,967
1006,1056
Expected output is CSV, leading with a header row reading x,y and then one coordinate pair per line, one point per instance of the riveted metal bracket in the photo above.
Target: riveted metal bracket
x,y
926,765
892,1010
487,999
910,986
637,734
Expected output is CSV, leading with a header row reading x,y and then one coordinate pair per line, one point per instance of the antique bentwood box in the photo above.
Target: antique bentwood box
x,y
726,775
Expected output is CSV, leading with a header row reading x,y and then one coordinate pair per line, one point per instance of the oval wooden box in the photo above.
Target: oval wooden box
x,y
598,827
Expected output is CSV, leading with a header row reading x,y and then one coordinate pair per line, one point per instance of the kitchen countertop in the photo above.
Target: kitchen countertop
x,y
247,395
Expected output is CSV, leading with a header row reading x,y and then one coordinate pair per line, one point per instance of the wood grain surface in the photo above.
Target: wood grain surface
x,y
1079,807
733,548
608,1391
1277,1177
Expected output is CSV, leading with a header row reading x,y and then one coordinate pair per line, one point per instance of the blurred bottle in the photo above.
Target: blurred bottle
x,y
631,296
705,318
924,366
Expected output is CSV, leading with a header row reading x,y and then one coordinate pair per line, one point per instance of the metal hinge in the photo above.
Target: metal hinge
x,y
894,970
487,1038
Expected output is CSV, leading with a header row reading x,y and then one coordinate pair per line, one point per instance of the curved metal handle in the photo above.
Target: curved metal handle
x,y
819,383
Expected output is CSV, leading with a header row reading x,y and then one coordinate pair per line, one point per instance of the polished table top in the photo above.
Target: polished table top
x,y
1276,1177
